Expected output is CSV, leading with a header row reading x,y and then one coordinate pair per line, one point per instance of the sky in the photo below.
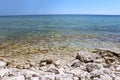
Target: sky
x,y
32,7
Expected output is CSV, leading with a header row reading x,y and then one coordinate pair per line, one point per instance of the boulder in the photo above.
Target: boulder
x,y
87,56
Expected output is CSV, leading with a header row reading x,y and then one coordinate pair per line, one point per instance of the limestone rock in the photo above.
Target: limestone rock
x,y
57,63
2,64
92,66
87,56
20,77
53,69
76,63
3,72
34,78
99,60
117,78
105,77
96,73
75,78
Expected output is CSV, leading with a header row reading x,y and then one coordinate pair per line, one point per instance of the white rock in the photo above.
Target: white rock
x,y
63,77
76,63
27,66
117,78
67,78
58,77
96,79
96,73
75,78
43,64
99,60
49,77
57,63
3,72
92,66
80,73
87,56
105,77
53,69
29,72
117,68
2,64
20,77
34,78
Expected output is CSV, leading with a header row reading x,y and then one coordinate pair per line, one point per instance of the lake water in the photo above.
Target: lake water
x,y
54,33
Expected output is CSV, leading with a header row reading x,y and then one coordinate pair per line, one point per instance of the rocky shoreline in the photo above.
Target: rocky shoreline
x,y
95,65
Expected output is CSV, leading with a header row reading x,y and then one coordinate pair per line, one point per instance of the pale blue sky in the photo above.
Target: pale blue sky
x,y
29,7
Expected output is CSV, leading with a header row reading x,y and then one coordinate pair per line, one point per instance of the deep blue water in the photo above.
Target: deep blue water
x,y
97,28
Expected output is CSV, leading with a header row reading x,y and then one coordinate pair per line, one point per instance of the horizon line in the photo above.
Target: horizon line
x,y
57,14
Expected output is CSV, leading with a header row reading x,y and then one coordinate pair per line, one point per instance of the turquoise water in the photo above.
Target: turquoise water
x,y
71,31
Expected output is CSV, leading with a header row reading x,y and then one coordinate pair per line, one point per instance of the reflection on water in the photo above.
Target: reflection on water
x,y
58,34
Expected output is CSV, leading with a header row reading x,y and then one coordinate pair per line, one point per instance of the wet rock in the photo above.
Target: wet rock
x,y
87,56
107,53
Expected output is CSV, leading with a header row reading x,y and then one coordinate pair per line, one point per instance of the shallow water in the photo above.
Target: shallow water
x,y
54,34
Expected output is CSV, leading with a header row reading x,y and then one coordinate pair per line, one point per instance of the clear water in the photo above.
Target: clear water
x,y
74,32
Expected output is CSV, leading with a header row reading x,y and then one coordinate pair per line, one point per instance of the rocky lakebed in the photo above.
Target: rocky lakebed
x,y
95,65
